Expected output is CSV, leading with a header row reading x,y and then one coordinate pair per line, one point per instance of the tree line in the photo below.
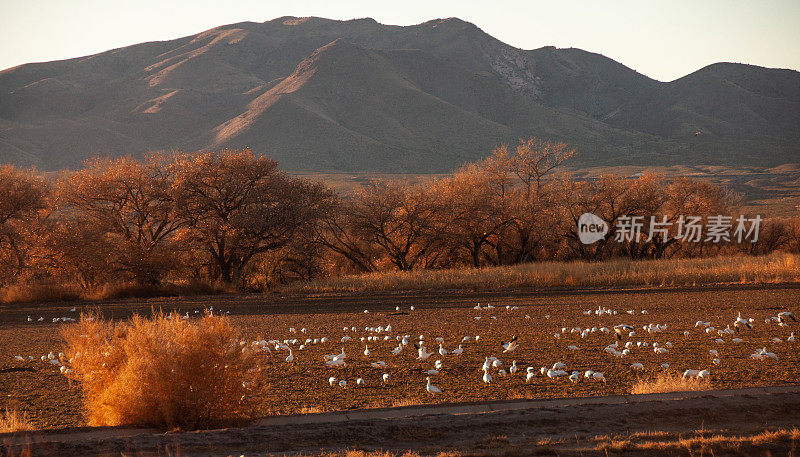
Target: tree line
x,y
231,217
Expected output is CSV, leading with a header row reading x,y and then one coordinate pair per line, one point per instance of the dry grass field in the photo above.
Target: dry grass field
x,y
48,399
775,268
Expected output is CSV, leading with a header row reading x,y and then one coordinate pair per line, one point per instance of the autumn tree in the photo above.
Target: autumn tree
x,y
238,205
474,210
132,202
531,198
23,215
688,198
339,230
612,197
400,221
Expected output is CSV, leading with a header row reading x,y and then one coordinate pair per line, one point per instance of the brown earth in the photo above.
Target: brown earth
x,y
49,401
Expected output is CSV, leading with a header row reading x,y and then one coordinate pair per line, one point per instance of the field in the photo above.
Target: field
x,y
46,397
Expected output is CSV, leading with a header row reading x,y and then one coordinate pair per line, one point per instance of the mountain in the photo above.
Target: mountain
x,y
319,94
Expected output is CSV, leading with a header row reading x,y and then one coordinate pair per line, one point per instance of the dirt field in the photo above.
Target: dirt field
x,y
38,388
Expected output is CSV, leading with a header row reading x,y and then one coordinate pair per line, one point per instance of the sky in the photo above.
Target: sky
x,y
663,39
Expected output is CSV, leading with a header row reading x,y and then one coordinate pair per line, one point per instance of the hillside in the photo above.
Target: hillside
x,y
319,94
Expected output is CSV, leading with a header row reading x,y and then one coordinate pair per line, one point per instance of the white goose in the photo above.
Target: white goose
x,y
430,388
423,354
741,322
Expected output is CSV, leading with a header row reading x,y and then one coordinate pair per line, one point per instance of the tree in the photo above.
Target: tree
x,y
689,198
474,210
533,159
400,220
133,204
530,198
23,214
238,205
610,198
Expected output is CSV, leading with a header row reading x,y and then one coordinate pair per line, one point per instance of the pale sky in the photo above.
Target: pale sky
x,y
664,39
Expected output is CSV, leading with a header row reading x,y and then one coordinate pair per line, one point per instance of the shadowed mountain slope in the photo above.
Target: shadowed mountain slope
x,y
319,94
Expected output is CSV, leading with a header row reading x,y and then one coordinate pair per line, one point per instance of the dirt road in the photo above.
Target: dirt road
x,y
585,426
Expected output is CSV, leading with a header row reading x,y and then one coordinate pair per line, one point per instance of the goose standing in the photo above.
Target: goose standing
x,y
385,378
487,378
290,358
740,321
433,390
423,354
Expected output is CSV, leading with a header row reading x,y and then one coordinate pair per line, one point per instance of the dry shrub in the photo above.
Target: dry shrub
x,y
669,383
160,371
14,421
132,290
17,293
38,292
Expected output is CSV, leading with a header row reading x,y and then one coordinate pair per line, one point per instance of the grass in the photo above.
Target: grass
x,y
162,371
699,442
36,292
712,443
774,268
14,421
669,383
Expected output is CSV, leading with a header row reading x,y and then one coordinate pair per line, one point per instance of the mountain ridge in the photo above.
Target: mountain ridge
x,y
374,97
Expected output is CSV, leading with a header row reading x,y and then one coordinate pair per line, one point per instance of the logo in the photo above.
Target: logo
x,y
591,228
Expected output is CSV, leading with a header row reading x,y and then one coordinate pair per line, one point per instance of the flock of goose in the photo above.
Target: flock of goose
x,y
625,343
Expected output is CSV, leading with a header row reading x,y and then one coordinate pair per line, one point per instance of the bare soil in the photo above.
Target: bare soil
x,y
656,424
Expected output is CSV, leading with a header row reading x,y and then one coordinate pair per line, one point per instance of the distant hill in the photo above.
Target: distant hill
x,y
319,94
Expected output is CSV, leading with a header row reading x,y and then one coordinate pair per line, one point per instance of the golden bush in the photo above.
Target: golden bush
x,y
164,371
